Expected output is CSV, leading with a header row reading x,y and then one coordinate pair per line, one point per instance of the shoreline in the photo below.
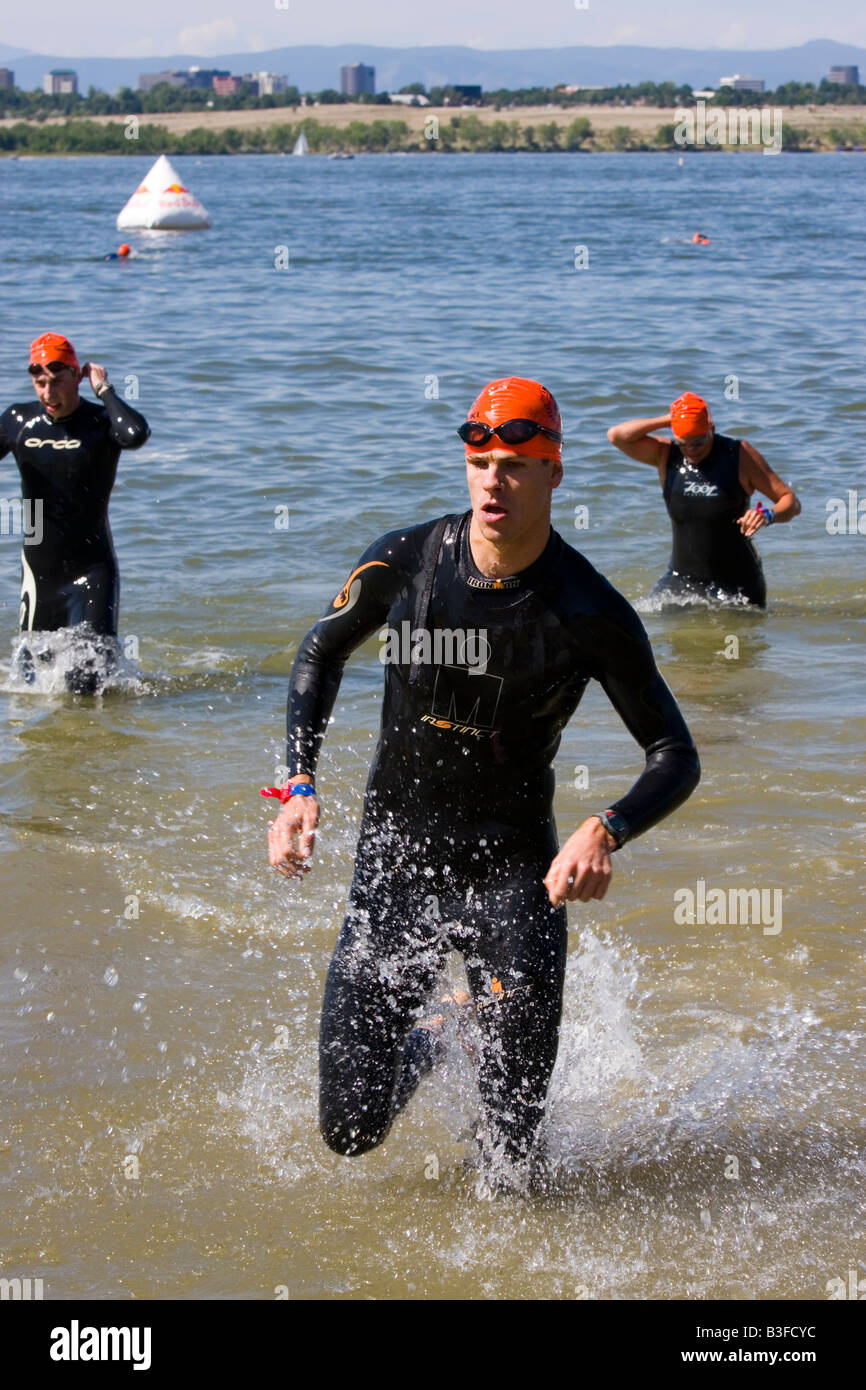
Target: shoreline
x,y
365,154
360,129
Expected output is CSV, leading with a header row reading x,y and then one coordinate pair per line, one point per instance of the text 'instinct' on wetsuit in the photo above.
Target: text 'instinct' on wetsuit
x,y
458,807
68,467
710,557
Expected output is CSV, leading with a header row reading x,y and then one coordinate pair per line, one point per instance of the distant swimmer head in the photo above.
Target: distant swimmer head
x,y
124,249
515,415
56,372
701,239
691,422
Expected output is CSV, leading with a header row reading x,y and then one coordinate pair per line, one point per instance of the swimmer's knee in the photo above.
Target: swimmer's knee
x,y
350,1126
348,1140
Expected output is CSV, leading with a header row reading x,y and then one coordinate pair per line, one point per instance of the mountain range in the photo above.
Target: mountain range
x,y
316,66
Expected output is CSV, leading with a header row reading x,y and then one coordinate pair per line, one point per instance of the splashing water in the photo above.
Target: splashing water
x,y
75,660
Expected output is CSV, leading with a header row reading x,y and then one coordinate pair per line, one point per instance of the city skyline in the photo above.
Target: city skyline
x,y
317,67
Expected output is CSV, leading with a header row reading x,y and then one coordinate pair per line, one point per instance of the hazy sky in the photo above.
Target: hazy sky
x,y
106,28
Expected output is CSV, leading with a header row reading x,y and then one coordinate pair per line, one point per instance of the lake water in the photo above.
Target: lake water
x,y
161,987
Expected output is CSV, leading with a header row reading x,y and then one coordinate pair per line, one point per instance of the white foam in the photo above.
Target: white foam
x,y
55,663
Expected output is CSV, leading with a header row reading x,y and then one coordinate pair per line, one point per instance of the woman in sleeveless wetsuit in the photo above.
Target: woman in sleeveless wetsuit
x,y
707,481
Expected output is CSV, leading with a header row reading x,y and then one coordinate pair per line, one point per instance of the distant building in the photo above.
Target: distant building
x,y
60,82
7,77
844,74
267,84
204,77
357,79
705,94
409,98
470,93
742,84
227,86
149,80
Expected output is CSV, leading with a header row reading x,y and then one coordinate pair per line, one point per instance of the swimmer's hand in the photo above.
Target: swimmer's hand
x,y
752,520
291,836
98,376
581,871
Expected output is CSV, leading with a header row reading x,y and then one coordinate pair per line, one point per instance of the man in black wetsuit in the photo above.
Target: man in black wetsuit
x,y
707,480
495,627
67,451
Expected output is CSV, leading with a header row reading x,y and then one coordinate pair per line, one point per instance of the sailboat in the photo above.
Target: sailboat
x,y
301,146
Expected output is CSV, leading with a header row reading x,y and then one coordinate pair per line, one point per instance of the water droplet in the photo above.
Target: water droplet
x,y
111,976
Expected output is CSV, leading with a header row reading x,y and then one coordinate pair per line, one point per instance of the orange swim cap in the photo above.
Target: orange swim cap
x,y
123,250
517,398
53,347
689,416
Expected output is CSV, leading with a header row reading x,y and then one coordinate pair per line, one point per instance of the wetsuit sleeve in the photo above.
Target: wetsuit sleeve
x,y
127,428
358,610
5,441
626,668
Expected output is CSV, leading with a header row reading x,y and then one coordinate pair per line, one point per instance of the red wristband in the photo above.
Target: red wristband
x,y
287,792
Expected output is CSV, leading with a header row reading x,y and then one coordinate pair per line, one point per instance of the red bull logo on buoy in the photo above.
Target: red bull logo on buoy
x,y
161,200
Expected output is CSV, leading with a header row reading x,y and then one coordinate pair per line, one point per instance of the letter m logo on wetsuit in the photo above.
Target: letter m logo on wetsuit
x,y
464,696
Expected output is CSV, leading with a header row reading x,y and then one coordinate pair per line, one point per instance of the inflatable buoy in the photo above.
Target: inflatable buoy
x,y
700,239
162,201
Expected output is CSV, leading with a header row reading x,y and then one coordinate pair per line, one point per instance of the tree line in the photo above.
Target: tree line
x,y
164,98
463,133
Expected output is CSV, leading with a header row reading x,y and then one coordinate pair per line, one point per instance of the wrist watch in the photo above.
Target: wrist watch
x,y
616,825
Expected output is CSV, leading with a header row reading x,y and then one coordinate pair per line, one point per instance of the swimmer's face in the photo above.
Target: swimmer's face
x,y
696,449
510,493
56,386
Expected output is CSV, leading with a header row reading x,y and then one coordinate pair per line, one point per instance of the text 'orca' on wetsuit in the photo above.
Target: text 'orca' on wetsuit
x,y
68,467
457,831
710,557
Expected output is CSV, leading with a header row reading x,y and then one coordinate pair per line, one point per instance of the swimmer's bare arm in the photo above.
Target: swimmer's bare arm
x,y
291,837
635,438
756,475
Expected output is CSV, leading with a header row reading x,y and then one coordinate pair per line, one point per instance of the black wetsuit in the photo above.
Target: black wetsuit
x,y
711,558
457,830
67,470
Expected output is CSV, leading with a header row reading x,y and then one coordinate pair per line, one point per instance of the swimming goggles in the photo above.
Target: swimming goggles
x,y
476,432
